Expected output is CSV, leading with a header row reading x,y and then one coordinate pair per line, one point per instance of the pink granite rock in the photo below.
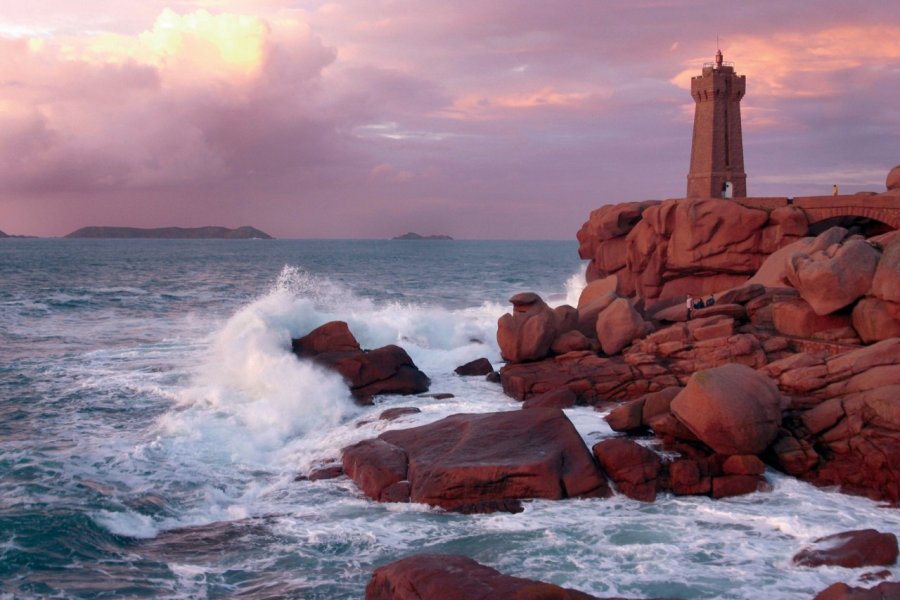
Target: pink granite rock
x,y
528,332
732,409
618,325
835,277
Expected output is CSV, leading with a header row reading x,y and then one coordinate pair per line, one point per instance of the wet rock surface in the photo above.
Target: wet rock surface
x,y
471,460
385,370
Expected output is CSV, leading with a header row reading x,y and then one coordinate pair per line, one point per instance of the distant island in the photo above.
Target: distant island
x,y
172,233
416,236
6,235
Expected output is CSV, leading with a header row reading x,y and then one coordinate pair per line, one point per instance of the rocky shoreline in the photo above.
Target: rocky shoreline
x,y
792,362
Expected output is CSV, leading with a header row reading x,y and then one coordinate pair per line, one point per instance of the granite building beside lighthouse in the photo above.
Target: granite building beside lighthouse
x,y
717,150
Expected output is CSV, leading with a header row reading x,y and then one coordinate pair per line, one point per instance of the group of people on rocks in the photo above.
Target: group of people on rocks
x,y
697,303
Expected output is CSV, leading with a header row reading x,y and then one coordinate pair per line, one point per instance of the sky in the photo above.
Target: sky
x,y
481,119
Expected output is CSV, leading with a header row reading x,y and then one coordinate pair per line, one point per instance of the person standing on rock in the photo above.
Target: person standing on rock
x,y
690,305
834,190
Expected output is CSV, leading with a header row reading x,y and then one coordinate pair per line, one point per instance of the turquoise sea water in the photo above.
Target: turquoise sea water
x,y
152,423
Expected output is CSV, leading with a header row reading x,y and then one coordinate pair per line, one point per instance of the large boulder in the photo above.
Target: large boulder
x,y
594,298
529,331
438,576
385,370
773,273
733,409
481,461
618,325
835,277
851,549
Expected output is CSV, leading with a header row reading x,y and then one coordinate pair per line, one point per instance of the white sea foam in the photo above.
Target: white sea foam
x,y
575,284
127,523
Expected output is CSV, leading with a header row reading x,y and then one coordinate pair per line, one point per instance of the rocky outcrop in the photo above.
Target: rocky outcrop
x,y
850,549
529,331
386,370
687,246
844,426
775,369
439,576
477,462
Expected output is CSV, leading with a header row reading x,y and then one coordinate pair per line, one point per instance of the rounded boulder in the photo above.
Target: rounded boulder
x,y
733,409
893,179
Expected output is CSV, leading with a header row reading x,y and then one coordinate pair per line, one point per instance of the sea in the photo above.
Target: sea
x,y
153,425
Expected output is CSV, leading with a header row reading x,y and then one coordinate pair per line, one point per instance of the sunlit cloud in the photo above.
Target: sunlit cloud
x,y
781,64
498,106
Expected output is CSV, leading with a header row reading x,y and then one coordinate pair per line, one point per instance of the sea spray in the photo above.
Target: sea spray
x,y
252,394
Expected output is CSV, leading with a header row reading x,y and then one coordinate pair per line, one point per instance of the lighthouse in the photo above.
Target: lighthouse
x,y
717,149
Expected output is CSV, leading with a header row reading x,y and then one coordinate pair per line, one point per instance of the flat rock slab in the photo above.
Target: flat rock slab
x,y
479,462
443,576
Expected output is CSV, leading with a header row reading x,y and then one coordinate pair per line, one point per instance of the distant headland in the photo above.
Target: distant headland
x,y
6,235
416,236
171,233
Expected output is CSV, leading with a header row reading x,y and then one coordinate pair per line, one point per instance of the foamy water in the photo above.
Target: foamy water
x,y
187,410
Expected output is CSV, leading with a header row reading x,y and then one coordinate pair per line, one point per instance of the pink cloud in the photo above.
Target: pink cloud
x,y
511,118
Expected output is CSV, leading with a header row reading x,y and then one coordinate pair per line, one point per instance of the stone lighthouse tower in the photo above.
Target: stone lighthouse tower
x,y
717,151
